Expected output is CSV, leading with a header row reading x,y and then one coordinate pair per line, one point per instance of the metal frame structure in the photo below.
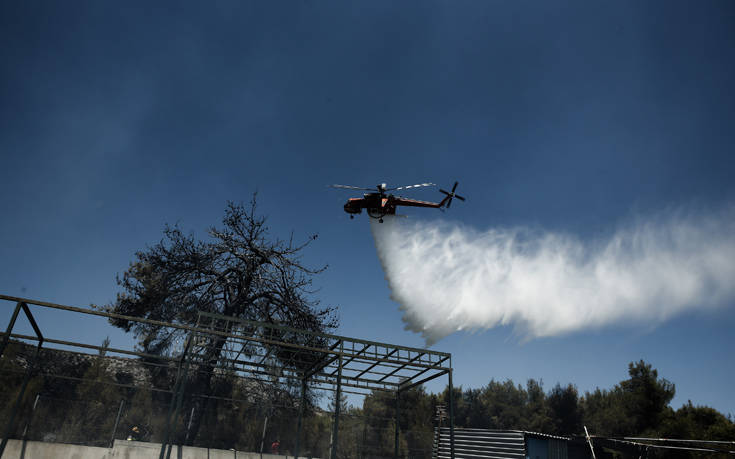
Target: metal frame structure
x,y
273,354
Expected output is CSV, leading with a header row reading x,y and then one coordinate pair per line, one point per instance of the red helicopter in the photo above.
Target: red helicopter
x,y
379,204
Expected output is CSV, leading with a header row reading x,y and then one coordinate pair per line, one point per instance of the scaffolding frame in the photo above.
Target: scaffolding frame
x,y
266,352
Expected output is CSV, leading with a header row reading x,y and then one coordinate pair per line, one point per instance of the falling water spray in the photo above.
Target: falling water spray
x,y
447,277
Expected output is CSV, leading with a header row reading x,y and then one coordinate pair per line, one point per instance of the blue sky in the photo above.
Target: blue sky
x,y
573,117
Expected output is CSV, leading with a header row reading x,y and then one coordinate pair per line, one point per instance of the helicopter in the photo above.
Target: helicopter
x,y
379,203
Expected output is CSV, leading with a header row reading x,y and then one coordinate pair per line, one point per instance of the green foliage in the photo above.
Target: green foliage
x,y
603,412
377,416
635,406
84,410
379,411
645,397
565,410
691,421
93,416
504,404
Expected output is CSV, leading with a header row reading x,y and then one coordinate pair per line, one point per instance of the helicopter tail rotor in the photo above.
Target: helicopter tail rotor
x,y
451,195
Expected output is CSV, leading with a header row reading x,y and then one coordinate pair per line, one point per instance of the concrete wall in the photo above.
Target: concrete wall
x,y
40,450
122,450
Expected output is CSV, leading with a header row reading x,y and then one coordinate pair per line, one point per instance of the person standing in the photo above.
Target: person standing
x,y
134,434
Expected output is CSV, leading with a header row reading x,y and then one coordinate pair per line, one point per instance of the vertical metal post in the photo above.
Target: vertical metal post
x,y
335,431
262,438
117,422
451,414
188,426
398,424
30,418
364,439
6,338
29,370
174,399
25,429
167,430
301,416
179,402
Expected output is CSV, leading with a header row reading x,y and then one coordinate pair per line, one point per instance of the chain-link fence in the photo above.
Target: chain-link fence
x,y
229,384
223,424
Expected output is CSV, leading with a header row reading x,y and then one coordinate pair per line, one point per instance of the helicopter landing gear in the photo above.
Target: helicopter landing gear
x,y
380,220
352,216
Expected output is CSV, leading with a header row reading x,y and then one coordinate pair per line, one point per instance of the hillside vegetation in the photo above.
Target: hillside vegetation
x,y
80,404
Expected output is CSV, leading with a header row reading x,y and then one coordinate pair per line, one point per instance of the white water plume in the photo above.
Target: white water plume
x,y
448,277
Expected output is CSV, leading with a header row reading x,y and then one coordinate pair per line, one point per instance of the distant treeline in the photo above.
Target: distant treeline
x,y
95,393
637,406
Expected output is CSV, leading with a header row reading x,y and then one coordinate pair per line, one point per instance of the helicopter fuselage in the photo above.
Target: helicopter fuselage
x,y
377,205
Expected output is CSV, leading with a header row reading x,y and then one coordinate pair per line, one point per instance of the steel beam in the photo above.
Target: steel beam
x,y
376,363
117,421
425,370
9,330
333,362
418,383
451,416
29,370
301,415
319,366
337,403
400,368
234,319
398,424
353,357
175,398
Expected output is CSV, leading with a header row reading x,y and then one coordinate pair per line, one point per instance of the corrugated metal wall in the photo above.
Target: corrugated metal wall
x,y
498,444
537,448
558,449
479,444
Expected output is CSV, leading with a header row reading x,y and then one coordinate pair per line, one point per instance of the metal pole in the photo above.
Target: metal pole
x,y
167,431
25,429
117,422
262,438
8,330
188,426
589,440
335,431
174,396
30,418
26,379
301,415
364,439
398,423
179,402
451,415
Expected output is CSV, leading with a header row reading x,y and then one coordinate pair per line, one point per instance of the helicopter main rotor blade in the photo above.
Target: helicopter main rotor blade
x,y
411,186
349,187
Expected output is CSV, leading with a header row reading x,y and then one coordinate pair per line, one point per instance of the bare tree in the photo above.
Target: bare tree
x,y
240,272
